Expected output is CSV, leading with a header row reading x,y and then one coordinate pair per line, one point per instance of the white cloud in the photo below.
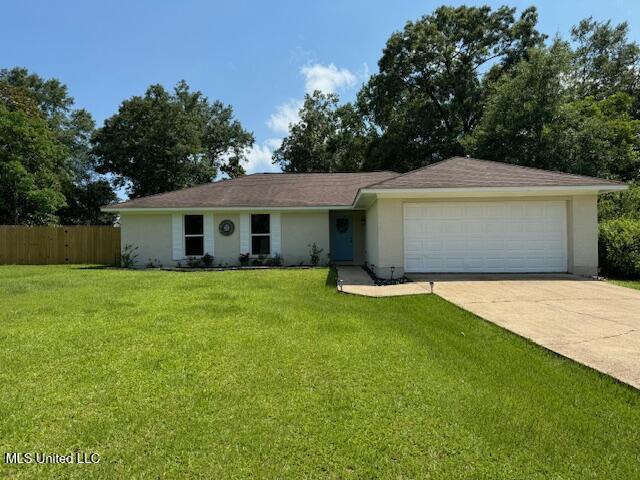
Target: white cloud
x,y
259,157
326,78
285,115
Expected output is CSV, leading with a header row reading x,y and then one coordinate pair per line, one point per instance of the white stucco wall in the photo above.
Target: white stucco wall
x,y
299,230
371,235
385,232
583,242
152,234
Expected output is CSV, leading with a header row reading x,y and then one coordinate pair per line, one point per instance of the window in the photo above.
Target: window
x,y
193,235
260,235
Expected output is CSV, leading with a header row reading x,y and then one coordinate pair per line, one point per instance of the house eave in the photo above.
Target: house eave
x,y
486,191
256,208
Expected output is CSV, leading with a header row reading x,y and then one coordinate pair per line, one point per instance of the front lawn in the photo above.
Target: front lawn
x,y
627,283
272,374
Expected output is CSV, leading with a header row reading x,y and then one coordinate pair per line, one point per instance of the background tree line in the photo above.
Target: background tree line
x,y
465,80
56,167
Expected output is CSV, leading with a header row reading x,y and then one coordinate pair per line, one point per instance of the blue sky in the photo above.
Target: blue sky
x,y
258,56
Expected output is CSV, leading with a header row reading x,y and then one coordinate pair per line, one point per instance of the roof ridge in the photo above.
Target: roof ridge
x,y
412,171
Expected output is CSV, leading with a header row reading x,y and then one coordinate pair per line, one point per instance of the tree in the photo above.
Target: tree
x,y
605,61
73,128
165,141
327,138
429,91
31,164
520,109
84,202
530,120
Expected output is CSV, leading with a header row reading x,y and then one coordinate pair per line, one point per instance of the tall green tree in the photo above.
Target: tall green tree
x,y
73,128
327,138
32,162
531,120
605,61
430,88
165,141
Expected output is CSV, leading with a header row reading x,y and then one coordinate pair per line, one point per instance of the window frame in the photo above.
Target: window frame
x,y
251,234
186,235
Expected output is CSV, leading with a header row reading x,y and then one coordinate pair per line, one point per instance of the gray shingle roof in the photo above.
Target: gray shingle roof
x,y
461,172
340,189
266,190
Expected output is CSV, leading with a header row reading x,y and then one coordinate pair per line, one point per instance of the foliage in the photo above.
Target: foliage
x,y
605,62
450,395
244,259
327,138
429,90
72,128
31,167
154,263
274,261
529,121
165,141
128,256
194,262
624,204
314,253
258,261
84,202
620,247
207,260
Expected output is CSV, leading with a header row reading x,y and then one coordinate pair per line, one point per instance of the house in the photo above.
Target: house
x,y
457,215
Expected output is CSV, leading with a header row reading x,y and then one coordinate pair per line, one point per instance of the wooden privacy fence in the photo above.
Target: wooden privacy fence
x,y
59,244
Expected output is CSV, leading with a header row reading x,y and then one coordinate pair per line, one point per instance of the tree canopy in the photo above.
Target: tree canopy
x,y
328,138
48,100
165,141
430,88
31,163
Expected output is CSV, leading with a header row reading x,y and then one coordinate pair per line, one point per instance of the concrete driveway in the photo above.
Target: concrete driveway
x,y
591,322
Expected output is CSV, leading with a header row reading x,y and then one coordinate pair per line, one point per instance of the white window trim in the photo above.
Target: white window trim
x,y
185,235
251,235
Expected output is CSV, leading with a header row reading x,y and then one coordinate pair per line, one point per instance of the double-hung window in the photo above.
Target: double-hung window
x,y
260,234
193,235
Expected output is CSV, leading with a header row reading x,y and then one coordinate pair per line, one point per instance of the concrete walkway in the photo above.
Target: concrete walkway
x,y
592,322
358,282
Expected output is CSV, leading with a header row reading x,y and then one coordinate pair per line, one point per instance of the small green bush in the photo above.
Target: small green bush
x,y
620,247
128,256
207,260
244,259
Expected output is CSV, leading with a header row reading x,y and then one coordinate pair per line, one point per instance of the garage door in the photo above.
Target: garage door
x,y
485,237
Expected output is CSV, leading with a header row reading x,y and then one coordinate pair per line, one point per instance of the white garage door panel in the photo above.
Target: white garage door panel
x,y
485,237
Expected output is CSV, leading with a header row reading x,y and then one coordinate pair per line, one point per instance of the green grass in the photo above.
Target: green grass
x,y
627,283
272,374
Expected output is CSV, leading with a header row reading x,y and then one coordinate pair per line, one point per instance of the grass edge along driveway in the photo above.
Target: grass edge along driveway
x,y
273,374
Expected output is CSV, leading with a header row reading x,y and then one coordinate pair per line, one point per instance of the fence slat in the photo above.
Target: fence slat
x,y
59,244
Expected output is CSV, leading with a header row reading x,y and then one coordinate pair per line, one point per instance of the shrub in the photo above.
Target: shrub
x,y
194,262
314,253
258,261
275,261
620,204
128,256
244,259
207,260
154,263
620,247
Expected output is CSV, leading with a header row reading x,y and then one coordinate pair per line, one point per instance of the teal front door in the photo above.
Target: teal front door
x,y
342,239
